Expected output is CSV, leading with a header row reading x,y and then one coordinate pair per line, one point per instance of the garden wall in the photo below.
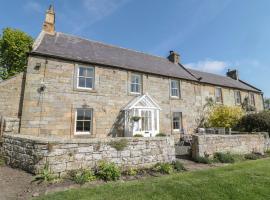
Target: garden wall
x,y
32,153
203,145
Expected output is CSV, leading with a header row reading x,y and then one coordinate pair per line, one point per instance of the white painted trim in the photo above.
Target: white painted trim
x,y
75,124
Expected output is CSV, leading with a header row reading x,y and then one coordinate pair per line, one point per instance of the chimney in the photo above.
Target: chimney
x,y
49,23
233,74
174,57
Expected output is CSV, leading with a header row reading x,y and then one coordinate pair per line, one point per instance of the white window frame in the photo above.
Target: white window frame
x,y
180,122
221,95
78,77
175,88
139,84
236,92
75,123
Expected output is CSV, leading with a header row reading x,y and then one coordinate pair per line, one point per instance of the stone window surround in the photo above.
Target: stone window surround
x,y
251,98
180,121
129,73
75,79
91,122
74,119
221,95
237,92
179,89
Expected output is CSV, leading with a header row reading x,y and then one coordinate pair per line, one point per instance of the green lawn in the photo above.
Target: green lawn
x,y
246,180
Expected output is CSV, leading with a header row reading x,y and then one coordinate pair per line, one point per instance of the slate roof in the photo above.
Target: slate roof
x,y
219,80
70,47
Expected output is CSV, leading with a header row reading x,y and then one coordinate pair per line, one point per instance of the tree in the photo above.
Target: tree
x,y
225,116
267,103
14,46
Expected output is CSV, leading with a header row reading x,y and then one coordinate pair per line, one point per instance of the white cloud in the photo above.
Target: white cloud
x,y
33,6
212,66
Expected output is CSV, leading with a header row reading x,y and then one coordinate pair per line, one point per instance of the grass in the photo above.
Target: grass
x,y
246,180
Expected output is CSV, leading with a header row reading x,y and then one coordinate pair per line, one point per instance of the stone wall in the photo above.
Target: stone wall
x,y
32,153
207,145
10,96
9,125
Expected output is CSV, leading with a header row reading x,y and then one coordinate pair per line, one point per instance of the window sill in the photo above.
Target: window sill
x,y
175,98
134,94
86,135
85,90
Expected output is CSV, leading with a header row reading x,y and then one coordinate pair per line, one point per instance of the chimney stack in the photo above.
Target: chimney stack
x,y
49,23
174,57
233,74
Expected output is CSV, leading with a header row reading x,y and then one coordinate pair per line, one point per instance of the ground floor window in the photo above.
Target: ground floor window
x,y
177,121
83,124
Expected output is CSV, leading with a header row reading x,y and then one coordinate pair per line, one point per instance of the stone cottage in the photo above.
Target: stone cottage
x,y
75,87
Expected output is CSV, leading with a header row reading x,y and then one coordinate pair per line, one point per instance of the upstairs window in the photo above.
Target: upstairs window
x,y
251,99
177,121
237,96
85,78
175,88
135,83
218,95
83,121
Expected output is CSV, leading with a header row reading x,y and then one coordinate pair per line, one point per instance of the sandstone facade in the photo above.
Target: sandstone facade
x,y
52,112
32,153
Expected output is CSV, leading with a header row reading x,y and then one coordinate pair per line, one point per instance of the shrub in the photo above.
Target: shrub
x,y
224,157
119,145
164,168
202,159
161,135
45,175
178,166
82,176
224,116
258,122
252,156
138,135
108,171
131,172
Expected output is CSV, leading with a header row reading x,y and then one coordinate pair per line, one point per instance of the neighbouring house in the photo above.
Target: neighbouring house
x,y
74,87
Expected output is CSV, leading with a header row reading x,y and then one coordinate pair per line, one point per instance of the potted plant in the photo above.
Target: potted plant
x,y
135,118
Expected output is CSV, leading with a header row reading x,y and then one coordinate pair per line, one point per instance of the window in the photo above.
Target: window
x,y
251,99
146,117
83,121
177,121
175,92
85,78
218,94
135,83
237,96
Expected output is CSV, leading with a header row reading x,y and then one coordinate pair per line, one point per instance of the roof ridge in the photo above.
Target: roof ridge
x,y
111,45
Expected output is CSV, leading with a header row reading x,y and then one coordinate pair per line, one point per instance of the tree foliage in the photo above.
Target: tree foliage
x,y
224,116
14,46
255,122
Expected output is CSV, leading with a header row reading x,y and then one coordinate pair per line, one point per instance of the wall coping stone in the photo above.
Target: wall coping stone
x,y
59,140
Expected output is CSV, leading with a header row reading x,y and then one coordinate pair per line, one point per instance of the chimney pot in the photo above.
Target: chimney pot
x,y
174,57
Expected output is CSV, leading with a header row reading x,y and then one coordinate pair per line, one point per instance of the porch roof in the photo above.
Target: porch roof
x,y
143,101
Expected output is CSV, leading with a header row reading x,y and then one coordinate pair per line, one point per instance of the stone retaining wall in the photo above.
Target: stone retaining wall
x,y
207,145
32,153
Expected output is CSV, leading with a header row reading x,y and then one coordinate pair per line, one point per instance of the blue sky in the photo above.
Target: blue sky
x,y
210,35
